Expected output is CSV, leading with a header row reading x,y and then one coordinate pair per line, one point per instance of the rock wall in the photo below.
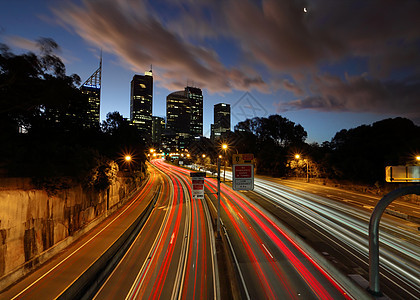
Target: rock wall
x,y
33,223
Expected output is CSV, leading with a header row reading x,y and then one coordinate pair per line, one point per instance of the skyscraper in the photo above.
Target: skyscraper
x,y
178,113
221,119
195,98
184,115
92,88
158,127
141,102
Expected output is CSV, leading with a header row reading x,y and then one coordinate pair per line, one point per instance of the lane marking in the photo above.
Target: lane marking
x,y
83,245
267,251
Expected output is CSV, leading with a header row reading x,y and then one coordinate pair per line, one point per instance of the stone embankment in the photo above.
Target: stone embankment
x,y
35,225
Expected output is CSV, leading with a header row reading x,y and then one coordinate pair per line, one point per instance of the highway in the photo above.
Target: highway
x,y
173,257
270,263
335,222
271,234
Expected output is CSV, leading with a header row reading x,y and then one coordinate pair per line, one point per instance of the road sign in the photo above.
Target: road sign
x,y
243,177
247,158
197,184
402,174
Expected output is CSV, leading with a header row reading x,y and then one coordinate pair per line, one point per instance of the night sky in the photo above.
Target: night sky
x,y
325,64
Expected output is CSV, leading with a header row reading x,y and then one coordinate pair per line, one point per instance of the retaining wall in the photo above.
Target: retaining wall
x,y
35,225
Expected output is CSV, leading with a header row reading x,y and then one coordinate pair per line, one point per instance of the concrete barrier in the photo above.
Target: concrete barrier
x,y
90,281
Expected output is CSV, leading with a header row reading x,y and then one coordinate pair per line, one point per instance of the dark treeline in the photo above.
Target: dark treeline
x,y
34,94
359,155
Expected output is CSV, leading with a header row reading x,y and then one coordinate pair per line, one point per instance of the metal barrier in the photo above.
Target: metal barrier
x,y
374,287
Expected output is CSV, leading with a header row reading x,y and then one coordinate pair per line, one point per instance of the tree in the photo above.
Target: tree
x,y
362,153
34,89
55,148
270,140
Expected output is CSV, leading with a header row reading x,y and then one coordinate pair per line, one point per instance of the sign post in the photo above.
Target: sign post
x,y
243,172
197,183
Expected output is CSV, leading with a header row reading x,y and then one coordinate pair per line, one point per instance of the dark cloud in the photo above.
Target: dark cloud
x,y
360,94
292,87
176,36
141,39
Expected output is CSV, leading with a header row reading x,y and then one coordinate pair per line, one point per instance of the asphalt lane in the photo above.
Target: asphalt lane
x,y
338,230
172,258
271,263
56,275
365,201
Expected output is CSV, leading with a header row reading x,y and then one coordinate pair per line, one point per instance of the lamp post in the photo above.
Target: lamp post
x,y
224,147
218,197
204,162
128,158
297,156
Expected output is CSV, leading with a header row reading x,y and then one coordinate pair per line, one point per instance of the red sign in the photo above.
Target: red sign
x,y
243,171
243,177
197,183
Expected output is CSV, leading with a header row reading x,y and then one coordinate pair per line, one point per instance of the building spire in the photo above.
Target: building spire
x,y
95,79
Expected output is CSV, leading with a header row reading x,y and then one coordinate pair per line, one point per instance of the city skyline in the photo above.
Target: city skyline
x,y
326,66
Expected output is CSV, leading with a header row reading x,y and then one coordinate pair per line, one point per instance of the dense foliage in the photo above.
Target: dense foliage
x,y
362,153
271,140
41,122
359,154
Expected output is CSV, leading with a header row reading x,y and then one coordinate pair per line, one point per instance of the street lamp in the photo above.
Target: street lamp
x,y
224,147
297,156
204,162
127,161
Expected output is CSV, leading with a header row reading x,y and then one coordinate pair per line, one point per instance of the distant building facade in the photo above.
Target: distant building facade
x,y
221,120
158,127
195,98
141,103
92,88
184,116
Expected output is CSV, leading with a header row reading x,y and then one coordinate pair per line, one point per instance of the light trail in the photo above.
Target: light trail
x,y
199,248
231,204
400,247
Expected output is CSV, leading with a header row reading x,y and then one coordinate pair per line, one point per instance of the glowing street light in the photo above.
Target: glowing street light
x,y
297,156
152,150
224,146
418,157
127,158
203,155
